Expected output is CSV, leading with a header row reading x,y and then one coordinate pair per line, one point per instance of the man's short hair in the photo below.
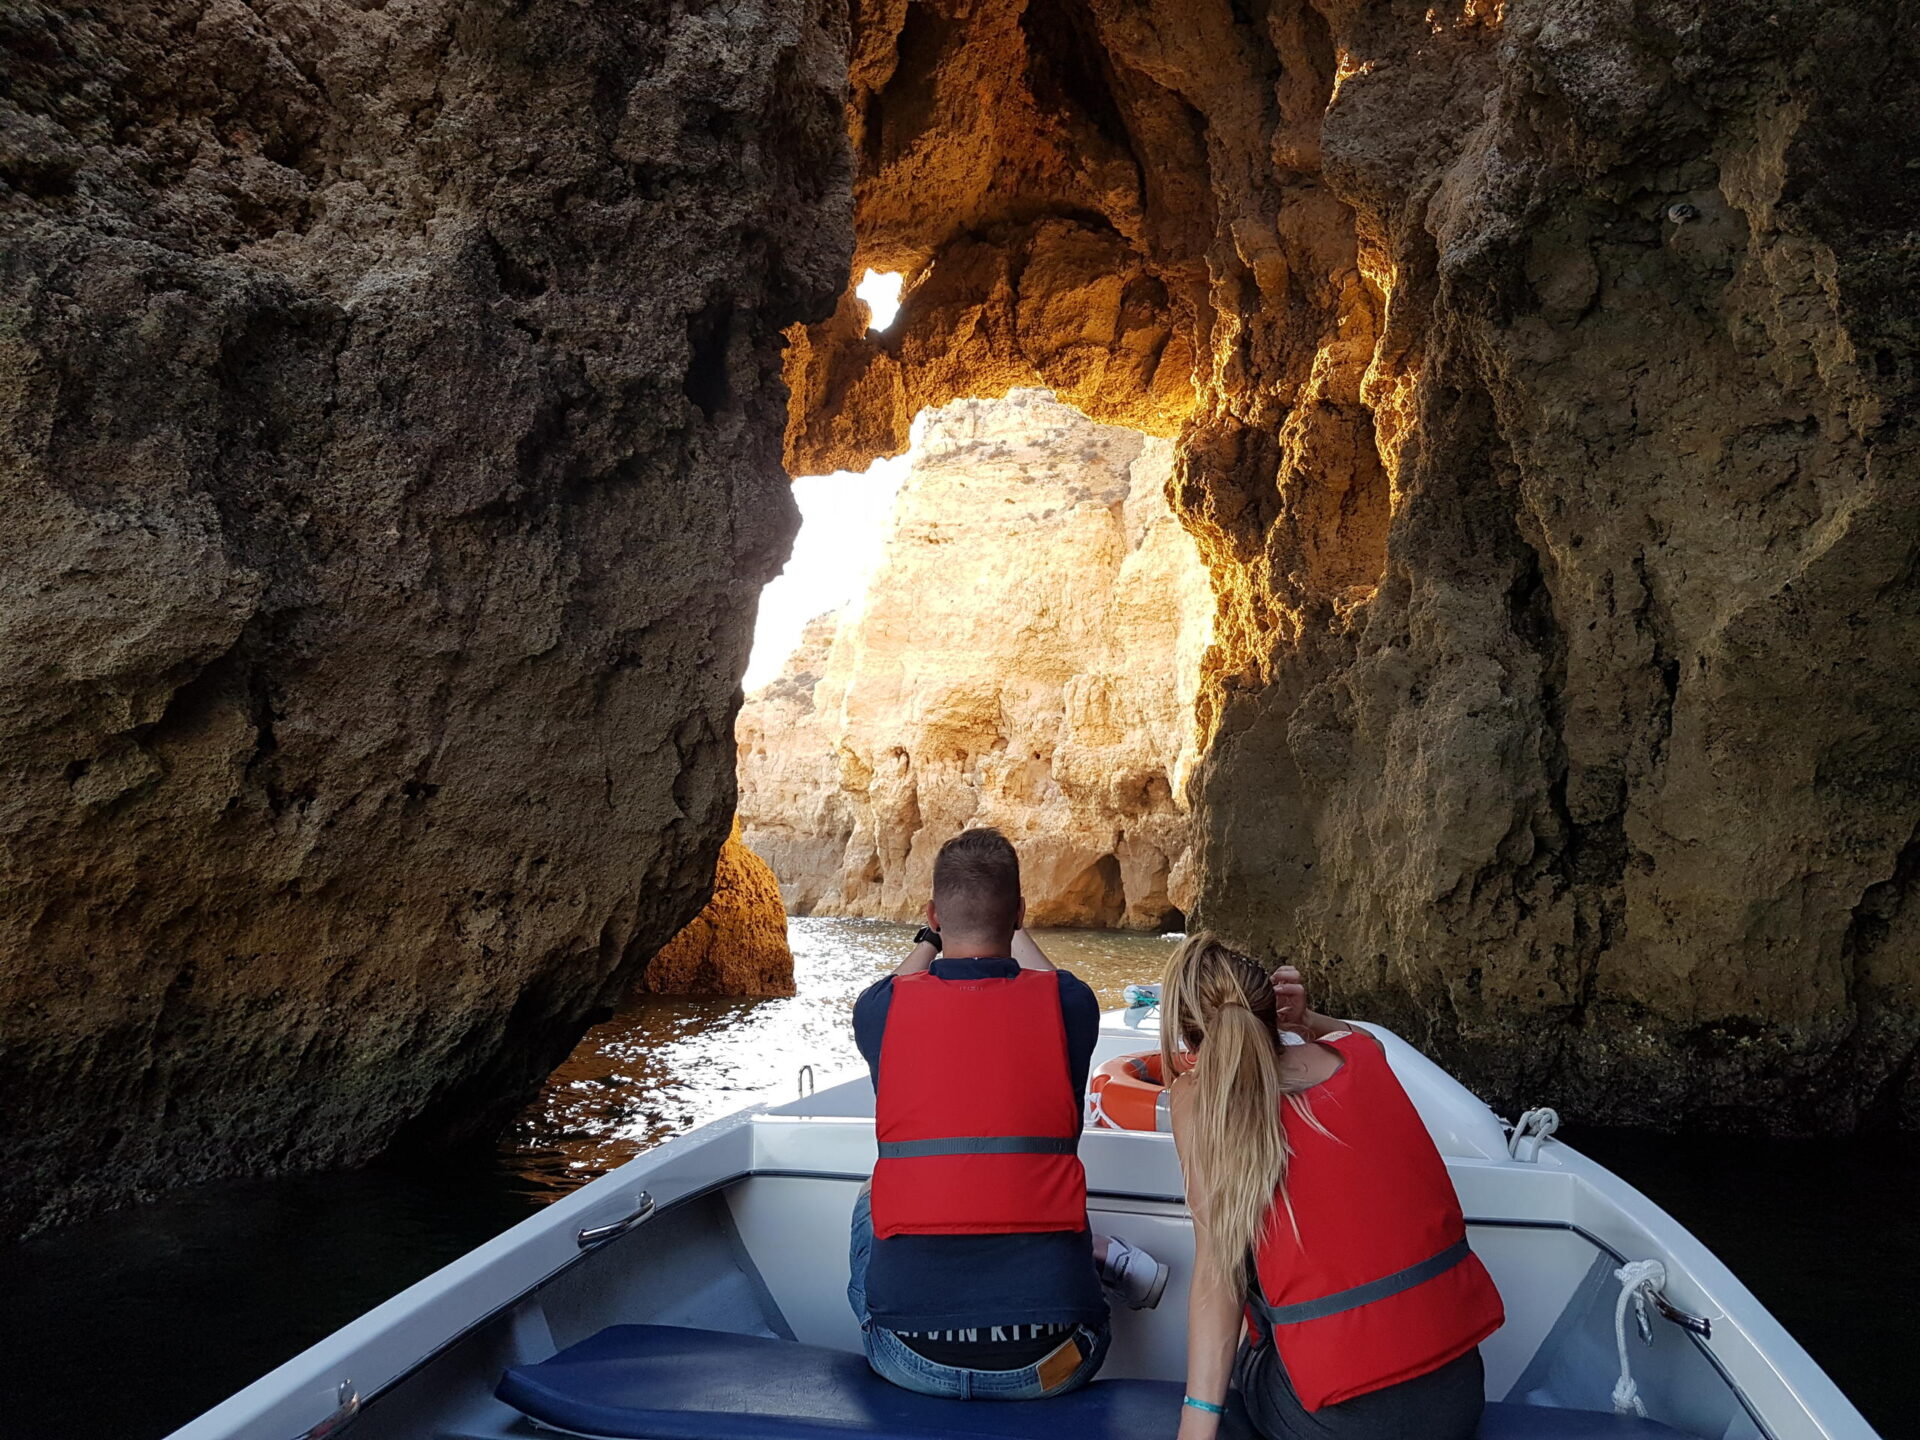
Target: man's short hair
x,y
976,883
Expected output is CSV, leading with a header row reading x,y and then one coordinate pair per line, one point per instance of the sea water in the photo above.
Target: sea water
x,y
668,1062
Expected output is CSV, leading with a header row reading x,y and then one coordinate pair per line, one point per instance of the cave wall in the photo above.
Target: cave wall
x,y
389,435
1543,380
1024,655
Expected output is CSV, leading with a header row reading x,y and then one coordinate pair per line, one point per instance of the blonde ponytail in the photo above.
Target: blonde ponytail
x,y
1219,1007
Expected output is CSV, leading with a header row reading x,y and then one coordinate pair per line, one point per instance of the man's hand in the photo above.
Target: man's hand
x,y
924,952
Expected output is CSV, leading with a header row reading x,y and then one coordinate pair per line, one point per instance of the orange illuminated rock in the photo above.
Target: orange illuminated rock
x,y
737,945
1542,377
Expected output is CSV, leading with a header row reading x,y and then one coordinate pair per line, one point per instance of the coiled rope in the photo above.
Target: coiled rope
x,y
1638,1279
1534,1126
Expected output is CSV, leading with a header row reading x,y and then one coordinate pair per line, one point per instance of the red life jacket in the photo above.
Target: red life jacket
x,y
976,1114
1370,1282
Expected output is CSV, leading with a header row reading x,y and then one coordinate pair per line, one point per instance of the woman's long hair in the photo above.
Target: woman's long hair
x,y
1219,1006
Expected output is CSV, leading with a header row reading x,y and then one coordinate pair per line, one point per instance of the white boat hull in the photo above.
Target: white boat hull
x,y
743,1224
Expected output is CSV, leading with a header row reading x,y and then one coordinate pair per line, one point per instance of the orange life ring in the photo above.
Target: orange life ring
x,y
1126,1093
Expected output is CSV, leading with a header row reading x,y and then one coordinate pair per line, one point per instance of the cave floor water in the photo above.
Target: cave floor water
x,y
126,1327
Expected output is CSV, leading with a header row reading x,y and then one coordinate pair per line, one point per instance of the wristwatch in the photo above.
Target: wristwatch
x,y
927,936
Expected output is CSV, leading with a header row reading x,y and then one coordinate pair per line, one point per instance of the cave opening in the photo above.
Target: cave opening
x,y
880,292
1062,209
1003,625
1043,203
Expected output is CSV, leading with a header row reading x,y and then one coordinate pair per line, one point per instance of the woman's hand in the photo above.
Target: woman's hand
x,y
1290,997
1291,1009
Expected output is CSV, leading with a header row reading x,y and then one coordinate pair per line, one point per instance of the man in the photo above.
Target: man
x,y
973,1271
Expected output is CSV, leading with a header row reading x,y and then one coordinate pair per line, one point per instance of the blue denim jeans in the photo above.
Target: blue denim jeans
x,y
892,1359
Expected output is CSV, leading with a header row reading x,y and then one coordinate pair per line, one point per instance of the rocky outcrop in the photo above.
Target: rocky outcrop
x,y
385,430
389,438
738,944
1544,379
1025,656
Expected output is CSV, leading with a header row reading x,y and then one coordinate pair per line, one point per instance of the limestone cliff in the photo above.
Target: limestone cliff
x,y
1025,656
389,427
738,944
386,411
1543,373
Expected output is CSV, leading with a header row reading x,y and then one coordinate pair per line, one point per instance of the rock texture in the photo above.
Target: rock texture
x,y
1543,374
1025,656
738,944
389,426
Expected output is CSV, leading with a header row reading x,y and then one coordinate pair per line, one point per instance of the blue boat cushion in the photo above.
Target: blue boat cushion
x,y
668,1382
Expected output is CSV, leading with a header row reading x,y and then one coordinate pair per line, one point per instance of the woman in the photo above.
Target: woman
x,y
1323,1214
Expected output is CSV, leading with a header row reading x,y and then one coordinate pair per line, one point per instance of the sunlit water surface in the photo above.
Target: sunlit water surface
x,y
125,1328
667,1063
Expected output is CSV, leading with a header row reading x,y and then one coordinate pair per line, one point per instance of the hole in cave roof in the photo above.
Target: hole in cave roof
x,y
881,291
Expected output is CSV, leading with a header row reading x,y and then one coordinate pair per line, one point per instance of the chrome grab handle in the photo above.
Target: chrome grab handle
x,y
1696,1324
595,1234
340,1418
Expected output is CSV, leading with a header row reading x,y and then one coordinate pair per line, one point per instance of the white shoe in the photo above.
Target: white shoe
x,y
1133,1275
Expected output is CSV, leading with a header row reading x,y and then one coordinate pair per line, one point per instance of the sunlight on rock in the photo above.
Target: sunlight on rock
x,y
844,523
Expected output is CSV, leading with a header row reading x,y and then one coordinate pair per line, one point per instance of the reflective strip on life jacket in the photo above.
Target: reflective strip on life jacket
x,y
979,1145
1365,1294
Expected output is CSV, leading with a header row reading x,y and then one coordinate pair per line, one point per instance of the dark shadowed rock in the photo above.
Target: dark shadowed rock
x,y
389,441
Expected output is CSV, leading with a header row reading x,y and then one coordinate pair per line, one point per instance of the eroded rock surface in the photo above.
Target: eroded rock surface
x,y
389,443
737,945
1543,375
1025,656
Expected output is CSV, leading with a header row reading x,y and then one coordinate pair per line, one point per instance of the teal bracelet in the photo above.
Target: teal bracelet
x,y
1206,1405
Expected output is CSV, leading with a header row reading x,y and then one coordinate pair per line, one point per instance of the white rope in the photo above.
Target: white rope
x,y
1638,1279
1096,1112
1536,1126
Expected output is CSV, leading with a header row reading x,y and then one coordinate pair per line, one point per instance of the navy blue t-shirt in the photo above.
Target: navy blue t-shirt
x,y
945,1282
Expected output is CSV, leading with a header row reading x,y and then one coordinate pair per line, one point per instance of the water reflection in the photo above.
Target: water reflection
x,y
667,1063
